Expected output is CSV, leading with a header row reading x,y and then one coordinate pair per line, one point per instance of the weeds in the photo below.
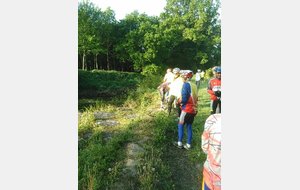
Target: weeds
x,y
86,122
100,164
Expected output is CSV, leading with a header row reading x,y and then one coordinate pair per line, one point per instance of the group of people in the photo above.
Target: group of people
x,y
170,89
179,91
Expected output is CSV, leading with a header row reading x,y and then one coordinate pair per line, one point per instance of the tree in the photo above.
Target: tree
x,y
107,33
191,28
187,35
85,29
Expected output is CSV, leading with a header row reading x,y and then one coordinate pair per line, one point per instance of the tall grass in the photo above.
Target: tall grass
x,y
106,80
100,164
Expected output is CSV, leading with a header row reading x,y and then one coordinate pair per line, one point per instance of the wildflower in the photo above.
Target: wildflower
x,y
153,169
144,167
109,169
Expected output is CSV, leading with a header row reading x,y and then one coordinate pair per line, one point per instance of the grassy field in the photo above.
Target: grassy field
x,y
100,164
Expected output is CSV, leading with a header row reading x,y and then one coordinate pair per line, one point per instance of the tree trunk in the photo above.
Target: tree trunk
x,y
83,56
107,61
96,62
114,63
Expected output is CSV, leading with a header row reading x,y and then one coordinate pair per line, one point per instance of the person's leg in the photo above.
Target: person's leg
x,y
181,124
197,84
161,93
211,106
163,100
178,109
189,134
211,103
214,106
167,93
189,120
172,97
218,109
180,132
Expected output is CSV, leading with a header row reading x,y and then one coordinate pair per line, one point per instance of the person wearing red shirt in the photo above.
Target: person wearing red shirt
x,y
189,106
214,89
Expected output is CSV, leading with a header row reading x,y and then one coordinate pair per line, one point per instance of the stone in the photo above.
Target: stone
x,y
133,150
87,135
100,114
132,116
107,122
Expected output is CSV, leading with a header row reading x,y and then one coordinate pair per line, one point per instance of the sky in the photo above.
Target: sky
x,y
121,7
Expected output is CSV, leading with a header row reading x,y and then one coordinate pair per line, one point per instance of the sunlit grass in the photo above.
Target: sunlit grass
x,y
100,164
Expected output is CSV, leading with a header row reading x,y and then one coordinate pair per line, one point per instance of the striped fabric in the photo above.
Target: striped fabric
x,y
211,145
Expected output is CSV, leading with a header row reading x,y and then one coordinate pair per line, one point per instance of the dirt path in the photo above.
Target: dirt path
x,y
185,175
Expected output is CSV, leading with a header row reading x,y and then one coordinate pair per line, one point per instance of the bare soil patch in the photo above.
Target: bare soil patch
x,y
185,175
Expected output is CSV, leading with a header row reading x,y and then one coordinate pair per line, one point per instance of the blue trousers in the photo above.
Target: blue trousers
x,y
188,119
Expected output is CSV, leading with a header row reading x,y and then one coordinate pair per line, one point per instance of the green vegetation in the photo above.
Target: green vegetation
x,y
100,164
102,80
187,35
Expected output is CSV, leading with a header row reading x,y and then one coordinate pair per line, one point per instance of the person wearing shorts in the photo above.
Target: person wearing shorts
x,y
189,109
163,88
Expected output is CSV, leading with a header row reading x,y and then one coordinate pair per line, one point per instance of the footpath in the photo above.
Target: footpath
x,y
185,175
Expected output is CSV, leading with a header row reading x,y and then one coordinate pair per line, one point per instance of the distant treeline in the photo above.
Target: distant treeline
x,y
187,35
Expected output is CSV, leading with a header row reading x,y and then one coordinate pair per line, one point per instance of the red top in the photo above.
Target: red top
x,y
214,84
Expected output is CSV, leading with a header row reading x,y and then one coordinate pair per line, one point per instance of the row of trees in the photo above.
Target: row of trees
x,y
187,35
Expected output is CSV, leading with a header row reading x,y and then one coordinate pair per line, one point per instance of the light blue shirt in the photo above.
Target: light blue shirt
x,y
197,76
